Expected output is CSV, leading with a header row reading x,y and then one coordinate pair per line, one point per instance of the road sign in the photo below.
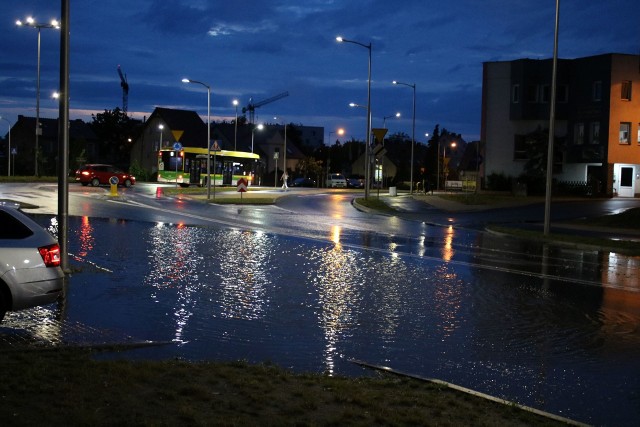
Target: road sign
x,y
215,146
379,151
177,134
177,146
242,185
379,134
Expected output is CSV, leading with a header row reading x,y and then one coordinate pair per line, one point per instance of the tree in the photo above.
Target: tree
x,y
309,167
116,132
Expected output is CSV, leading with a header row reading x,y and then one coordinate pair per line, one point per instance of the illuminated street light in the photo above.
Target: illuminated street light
x,y
160,127
384,119
444,156
253,131
208,136
368,141
284,156
30,22
413,131
8,149
235,134
339,131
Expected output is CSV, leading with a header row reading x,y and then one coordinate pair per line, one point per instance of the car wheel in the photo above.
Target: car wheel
x,y
95,182
127,183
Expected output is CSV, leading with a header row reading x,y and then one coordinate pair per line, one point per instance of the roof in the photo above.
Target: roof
x,y
189,122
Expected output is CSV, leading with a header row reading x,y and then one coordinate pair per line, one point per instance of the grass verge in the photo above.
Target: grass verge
x,y
69,387
375,203
626,247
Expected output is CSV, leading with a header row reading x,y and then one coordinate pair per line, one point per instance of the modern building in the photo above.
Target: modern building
x,y
597,127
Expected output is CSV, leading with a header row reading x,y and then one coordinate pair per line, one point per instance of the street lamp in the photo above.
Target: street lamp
x,y
8,149
337,132
235,135
444,156
253,131
208,135
160,126
30,22
384,119
284,155
367,162
366,149
413,131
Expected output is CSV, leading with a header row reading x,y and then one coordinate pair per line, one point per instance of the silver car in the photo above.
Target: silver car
x,y
30,273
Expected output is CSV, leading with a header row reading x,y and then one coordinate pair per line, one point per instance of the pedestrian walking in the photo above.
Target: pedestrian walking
x,y
284,179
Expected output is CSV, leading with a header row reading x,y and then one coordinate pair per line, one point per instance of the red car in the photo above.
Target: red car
x,y
96,175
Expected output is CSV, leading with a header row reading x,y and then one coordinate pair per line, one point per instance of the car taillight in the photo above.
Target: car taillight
x,y
50,255
85,173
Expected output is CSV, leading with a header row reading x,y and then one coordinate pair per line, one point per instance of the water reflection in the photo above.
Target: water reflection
x,y
245,259
336,280
175,263
447,247
546,326
85,237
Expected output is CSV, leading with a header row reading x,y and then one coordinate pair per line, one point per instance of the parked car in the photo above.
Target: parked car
x,y
303,182
98,174
30,273
336,180
355,182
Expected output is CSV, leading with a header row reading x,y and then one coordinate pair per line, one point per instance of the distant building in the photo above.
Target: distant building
x,y
597,128
188,128
82,142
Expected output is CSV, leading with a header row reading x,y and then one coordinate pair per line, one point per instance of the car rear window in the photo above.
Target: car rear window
x,y
12,228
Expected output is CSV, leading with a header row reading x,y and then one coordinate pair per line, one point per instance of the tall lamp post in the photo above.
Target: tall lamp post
x,y
235,133
30,22
367,163
413,131
552,120
208,135
284,155
337,132
384,119
8,149
367,148
253,131
160,126
444,156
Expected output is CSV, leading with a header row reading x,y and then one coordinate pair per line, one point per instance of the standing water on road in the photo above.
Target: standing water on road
x,y
482,316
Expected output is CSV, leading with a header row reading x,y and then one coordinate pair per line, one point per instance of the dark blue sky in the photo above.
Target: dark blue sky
x,y
260,48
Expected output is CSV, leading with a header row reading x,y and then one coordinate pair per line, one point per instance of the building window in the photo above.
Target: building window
x,y
625,94
545,94
532,93
596,93
625,131
519,147
562,94
578,134
515,94
595,133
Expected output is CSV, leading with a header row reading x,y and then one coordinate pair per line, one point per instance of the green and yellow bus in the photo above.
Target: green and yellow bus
x,y
188,166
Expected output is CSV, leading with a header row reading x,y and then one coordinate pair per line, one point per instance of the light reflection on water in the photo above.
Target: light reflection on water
x,y
310,305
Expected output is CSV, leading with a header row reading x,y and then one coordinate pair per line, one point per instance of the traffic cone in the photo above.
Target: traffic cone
x,y
159,193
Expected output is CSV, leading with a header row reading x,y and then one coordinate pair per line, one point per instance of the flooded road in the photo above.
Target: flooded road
x,y
552,328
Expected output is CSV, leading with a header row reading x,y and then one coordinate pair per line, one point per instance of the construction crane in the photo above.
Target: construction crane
x,y
251,106
125,90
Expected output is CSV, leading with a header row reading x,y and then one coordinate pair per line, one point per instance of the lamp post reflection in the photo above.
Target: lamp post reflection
x,y
334,280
